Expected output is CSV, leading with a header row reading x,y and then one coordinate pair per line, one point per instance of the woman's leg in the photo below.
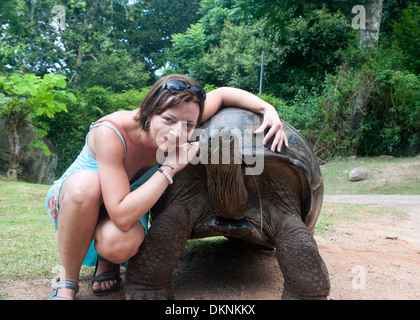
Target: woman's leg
x,y
80,200
116,246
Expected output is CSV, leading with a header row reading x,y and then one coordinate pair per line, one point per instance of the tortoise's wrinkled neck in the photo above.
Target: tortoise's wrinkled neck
x,y
227,190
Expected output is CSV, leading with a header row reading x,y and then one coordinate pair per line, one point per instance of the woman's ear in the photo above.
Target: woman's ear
x,y
147,122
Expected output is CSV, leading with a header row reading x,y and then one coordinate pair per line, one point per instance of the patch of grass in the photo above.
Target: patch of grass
x,y
382,181
334,214
28,239
204,247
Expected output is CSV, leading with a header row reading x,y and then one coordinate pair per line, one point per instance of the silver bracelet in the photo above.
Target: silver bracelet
x,y
166,175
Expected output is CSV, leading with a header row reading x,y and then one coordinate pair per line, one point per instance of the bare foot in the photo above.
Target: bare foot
x,y
103,267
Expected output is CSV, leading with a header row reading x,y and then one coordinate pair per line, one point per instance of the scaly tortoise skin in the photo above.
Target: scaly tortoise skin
x,y
277,208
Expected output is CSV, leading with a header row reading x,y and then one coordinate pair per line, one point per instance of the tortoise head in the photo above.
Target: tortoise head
x,y
228,151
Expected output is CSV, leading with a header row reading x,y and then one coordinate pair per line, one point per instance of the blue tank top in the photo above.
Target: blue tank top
x,y
84,160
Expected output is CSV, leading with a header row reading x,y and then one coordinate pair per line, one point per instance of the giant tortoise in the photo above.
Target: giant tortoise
x,y
274,206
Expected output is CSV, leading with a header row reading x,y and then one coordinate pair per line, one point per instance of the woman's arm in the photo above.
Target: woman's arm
x,y
226,96
124,207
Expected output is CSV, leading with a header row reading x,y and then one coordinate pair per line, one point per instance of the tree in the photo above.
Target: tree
x,y
74,38
304,49
302,40
407,35
25,24
235,61
187,48
25,96
368,38
369,35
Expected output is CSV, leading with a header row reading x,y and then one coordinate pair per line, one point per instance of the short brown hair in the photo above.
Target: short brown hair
x,y
157,102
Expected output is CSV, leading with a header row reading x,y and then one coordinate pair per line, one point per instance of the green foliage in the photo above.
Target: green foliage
x,y
187,49
344,99
153,23
214,14
28,95
304,49
393,115
224,50
117,71
68,131
370,106
407,35
31,94
124,38
235,62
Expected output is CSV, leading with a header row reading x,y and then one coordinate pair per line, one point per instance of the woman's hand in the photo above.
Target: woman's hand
x,y
271,120
226,96
179,157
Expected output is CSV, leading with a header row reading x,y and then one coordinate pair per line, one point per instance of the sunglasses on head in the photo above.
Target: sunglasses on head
x,y
176,85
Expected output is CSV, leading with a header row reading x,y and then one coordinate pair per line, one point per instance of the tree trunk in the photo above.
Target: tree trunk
x,y
14,149
13,124
368,38
369,35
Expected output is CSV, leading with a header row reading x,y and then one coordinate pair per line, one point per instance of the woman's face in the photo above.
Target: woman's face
x,y
174,126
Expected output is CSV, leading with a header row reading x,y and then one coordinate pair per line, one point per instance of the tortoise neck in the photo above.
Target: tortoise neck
x,y
227,190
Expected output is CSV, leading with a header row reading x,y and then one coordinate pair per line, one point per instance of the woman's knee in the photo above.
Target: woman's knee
x,y
82,189
115,245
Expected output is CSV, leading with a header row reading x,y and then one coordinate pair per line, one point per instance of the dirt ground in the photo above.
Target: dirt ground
x,y
374,259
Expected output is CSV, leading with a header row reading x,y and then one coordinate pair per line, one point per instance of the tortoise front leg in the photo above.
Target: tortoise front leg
x,y
149,272
304,271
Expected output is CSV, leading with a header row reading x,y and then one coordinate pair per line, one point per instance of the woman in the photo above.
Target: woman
x,y
120,148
